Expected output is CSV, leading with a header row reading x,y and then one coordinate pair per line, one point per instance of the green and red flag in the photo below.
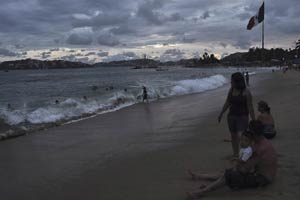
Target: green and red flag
x,y
256,19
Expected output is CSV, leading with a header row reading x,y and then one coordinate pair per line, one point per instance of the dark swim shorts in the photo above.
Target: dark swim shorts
x,y
237,123
238,180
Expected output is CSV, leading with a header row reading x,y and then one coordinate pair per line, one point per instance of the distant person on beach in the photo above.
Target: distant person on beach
x,y
239,102
56,101
247,78
145,94
9,108
266,119
263,161
84,98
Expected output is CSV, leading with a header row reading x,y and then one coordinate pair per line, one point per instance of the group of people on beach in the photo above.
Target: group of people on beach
x,y
254,161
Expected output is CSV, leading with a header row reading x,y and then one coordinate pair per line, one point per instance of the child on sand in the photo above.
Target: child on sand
x,y
246,150
245,153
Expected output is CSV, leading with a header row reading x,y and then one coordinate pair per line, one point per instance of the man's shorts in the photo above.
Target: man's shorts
x,y
238,180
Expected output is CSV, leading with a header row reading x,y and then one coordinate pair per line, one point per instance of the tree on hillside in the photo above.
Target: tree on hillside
x,y
298,47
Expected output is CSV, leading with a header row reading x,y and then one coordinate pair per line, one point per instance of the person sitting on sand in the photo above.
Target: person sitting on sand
x,y
266,119
263,160
245,153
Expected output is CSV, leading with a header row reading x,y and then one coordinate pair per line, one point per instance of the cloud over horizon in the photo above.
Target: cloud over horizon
x,y
141,26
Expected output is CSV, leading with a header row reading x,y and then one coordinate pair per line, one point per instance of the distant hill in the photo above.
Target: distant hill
x,y
253,57
258,57
39,64
234,57
139,63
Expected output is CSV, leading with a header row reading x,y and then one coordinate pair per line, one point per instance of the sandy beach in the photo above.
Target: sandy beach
x,y
143,151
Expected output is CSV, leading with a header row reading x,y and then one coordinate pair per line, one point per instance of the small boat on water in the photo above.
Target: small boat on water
x,y
137,67
161,69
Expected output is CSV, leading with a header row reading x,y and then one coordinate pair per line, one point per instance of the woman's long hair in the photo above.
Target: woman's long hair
x,y
239,81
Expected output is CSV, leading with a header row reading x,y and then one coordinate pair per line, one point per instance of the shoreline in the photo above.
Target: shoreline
x,y
12,131
61,163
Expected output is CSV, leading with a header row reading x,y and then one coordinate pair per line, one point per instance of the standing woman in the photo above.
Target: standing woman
x,y
239,102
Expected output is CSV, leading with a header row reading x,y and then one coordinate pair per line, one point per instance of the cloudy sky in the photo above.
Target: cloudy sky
x,y
104,30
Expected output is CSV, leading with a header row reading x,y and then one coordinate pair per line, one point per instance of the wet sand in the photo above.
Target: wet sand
x,y
142,152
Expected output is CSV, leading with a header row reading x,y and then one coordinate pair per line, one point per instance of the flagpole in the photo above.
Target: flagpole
x,y
263,35
263,38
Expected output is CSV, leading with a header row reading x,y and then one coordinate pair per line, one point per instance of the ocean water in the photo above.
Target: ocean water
x,y
37,97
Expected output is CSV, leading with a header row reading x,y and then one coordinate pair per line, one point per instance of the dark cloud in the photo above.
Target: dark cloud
x,y
80,37
205,15
188,40
108,39
124,29
45,55
122,56
19,46
103,54
242,43
90,54
244,16
130,54
172,55
224,45
7,53
100,20
75,58
42,24
175,17
147,10
55,49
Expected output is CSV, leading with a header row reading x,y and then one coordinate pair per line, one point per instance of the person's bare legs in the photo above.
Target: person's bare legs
x,y
210,187
209,177
235,140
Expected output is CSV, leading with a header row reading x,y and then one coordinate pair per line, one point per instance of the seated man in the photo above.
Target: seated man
x,y
263,160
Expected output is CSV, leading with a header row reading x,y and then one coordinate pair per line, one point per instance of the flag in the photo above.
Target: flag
x,y
256,19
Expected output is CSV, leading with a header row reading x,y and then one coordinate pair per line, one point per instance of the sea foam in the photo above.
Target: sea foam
x,y
73,108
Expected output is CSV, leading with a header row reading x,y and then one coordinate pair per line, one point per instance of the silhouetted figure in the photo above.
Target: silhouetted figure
x,y
247,78
266,118
239,102
125,89
94,87
56,101
145,95
84,98
9,107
